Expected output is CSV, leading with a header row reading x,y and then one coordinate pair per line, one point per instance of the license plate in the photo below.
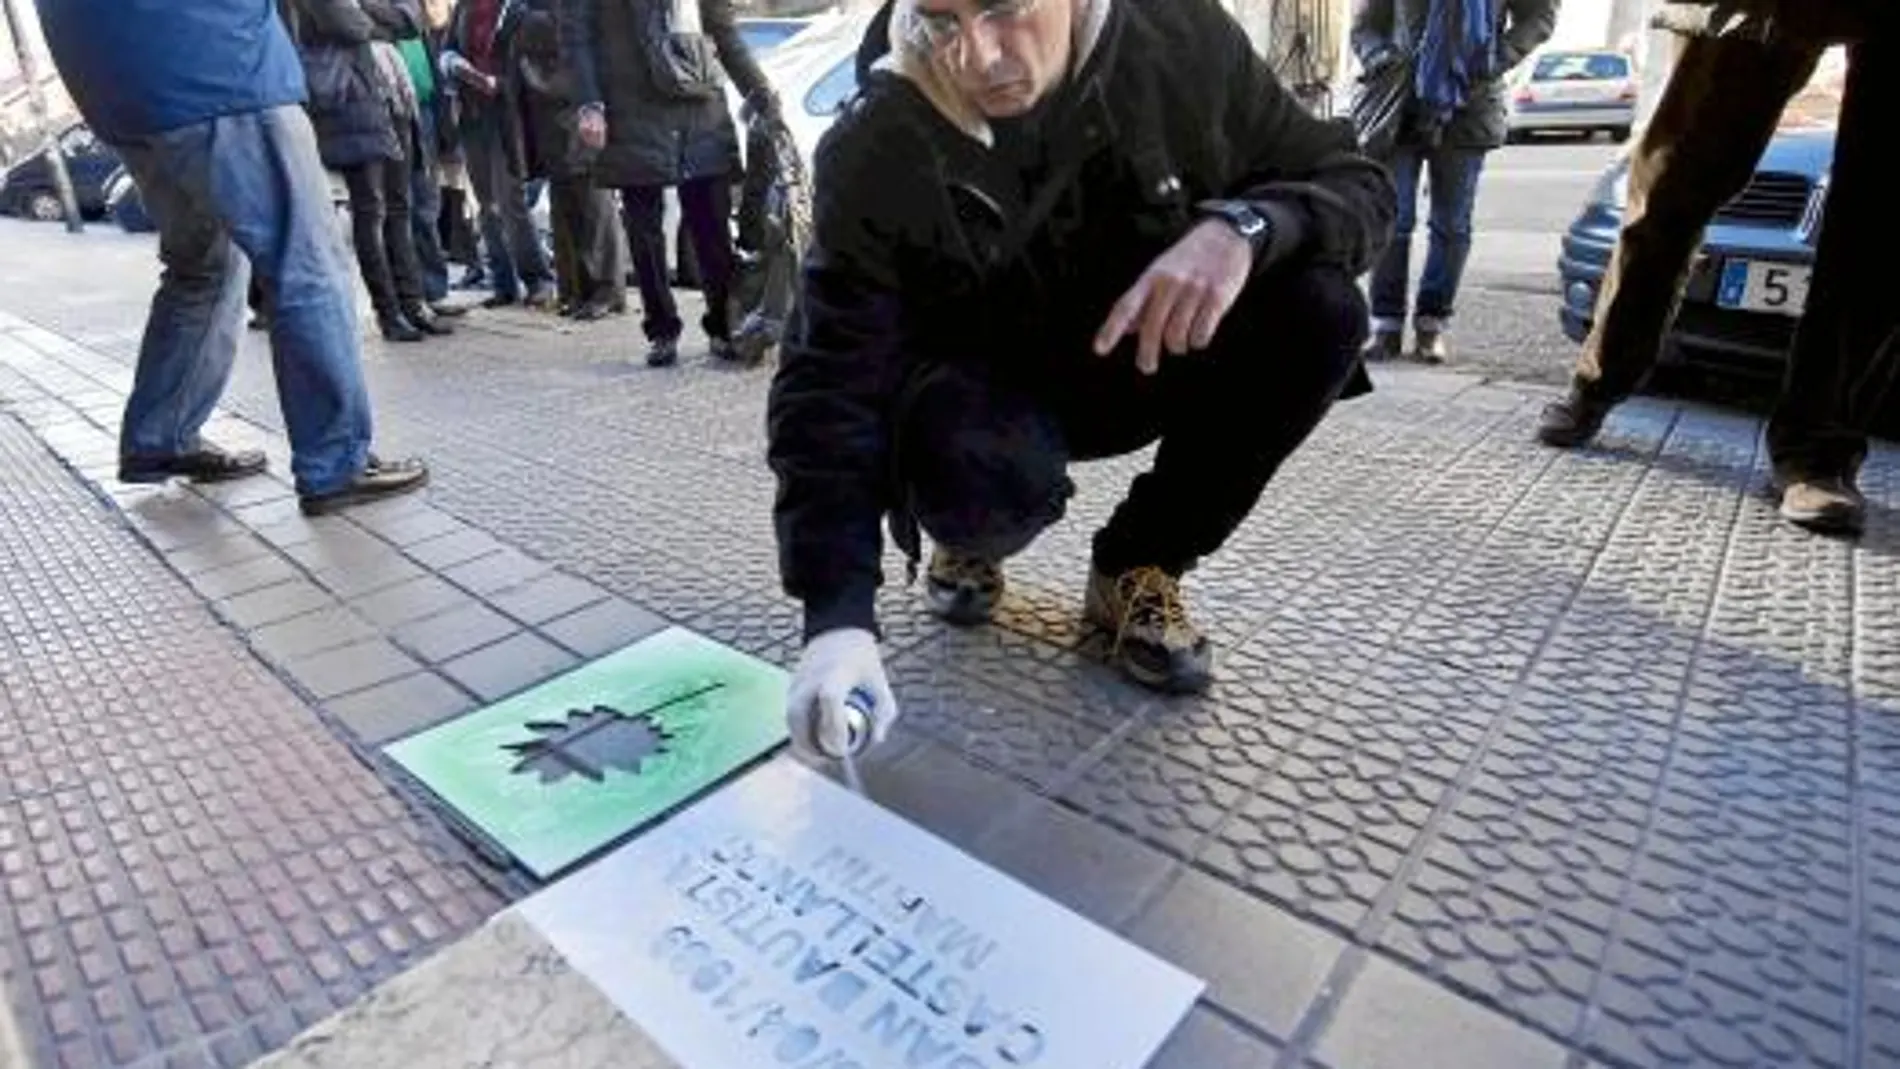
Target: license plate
x,y
1764,286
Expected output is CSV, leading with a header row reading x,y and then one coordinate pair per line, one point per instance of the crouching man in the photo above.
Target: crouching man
x,y
1049,231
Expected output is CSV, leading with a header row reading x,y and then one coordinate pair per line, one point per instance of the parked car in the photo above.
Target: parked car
x,y
1749,282
27,189
125,206
1574,92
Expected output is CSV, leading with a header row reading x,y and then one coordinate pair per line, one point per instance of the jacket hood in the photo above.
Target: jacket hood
x,y
903,59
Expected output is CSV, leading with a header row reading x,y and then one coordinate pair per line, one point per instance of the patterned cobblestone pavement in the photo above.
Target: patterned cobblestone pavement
x,y
1515,757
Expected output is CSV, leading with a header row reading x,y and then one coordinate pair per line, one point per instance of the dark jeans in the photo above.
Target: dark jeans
x,y
384,236
1453,176
425,199
457,231
515,255
583,217
706,211
985,460
1847,350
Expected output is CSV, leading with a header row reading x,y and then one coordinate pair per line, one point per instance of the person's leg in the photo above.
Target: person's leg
x,y
1716,116
1454,197
399,245
524,241
564,215
368,214
191,335
606,244
425,213
706,211
488,174
1847,349
644,212
1391,276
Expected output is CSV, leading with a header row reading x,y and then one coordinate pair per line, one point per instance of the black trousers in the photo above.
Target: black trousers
x,y
384,235
583,218
1847,351
706,213
985,462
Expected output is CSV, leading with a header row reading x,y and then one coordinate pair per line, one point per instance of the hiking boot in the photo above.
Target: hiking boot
x,y
398,328
1572,421
379,479
963,589
1385,345
1831,506
1156,644
663,352
206,464
1429,347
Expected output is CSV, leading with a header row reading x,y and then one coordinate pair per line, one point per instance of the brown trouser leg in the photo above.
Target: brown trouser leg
x,y
1714,120
1847,350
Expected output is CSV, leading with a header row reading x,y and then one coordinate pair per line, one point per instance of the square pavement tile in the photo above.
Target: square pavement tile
x,y
413,600
1206,1040
495,572
494,672
389,711
453,633
939,791
546,597
603,628
314,632
222,553
1261,964
235,579
449,550
1394,1019
368,576
350,668
273,603
1088,867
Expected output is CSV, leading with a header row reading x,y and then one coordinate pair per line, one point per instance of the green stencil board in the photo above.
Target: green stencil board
x,y
559,771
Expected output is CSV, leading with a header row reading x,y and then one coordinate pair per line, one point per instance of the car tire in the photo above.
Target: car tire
x,y
44,207
1620,134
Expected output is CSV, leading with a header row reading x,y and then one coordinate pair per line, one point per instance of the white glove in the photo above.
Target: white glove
x,y
832,665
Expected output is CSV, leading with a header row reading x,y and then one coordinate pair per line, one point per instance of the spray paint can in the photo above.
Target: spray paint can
x,y
854,734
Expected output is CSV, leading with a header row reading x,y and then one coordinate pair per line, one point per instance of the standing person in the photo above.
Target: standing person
x,y
434,127
1716,116
1452,56
592,277
655,104
1041,238
356,109
202,99
481,36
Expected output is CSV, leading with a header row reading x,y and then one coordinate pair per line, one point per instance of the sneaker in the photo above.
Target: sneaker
x,y
1156,644
542,297
445,310
1429,347
663,352
963,589
379,479
1385,345
206,464
1832,506
425,321
1572,422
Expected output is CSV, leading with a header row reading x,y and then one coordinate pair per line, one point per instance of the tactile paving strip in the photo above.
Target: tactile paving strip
x,y
192,867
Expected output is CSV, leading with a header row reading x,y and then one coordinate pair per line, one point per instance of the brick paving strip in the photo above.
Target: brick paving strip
x,y
1516,759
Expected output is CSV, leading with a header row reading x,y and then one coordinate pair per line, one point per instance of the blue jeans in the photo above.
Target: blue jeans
x,y
515,255
425,210
237,193
1453,175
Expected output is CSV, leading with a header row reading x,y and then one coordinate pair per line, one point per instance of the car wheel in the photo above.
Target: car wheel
x,y
45,208
1620,134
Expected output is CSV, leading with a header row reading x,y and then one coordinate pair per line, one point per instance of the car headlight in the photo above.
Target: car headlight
x,y
1612,191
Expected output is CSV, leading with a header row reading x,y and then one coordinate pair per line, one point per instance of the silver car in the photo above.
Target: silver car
x,y
1574,92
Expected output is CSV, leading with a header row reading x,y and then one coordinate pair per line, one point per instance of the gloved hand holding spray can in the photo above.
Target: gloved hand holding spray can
x,y
840,703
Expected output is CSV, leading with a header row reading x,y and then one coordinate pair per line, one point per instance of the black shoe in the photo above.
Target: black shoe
x,y
445,310
398,329
1572,421
1155,644
259,323
566,309
663,353
499,301
425,321
208,464
473,279
1829,506
722,351
542,296
593,310
1431,348
962,589
1385,345
379,479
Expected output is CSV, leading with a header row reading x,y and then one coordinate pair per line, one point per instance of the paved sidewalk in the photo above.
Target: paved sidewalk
x,y
1515,758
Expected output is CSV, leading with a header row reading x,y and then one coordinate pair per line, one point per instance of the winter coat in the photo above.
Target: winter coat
x,y
653,137
350,102
142,69
544,100
929,247
1390,31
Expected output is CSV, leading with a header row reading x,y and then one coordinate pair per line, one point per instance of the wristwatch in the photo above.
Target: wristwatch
x,y
1247,221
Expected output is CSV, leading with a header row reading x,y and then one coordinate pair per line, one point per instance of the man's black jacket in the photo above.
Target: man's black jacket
x,y
929,246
